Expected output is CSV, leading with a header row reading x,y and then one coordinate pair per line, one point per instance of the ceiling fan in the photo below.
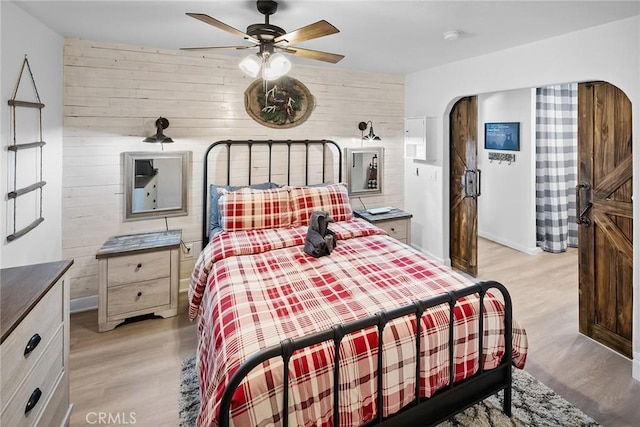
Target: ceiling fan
x,y
270,38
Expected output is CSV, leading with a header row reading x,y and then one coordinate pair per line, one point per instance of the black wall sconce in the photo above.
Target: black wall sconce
x,y
370,136
161,124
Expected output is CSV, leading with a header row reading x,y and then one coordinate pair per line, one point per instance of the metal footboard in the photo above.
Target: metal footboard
x,y
444,404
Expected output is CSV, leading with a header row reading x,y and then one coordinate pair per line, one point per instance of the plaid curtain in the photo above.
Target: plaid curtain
x,y
556,167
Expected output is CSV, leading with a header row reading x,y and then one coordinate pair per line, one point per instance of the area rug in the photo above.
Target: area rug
x,y
534,404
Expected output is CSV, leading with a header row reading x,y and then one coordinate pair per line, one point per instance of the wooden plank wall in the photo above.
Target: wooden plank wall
x,y
113,94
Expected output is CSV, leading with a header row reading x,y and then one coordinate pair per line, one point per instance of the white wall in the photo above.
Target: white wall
x,y
113,95
22,35
609,52
506,207
425,202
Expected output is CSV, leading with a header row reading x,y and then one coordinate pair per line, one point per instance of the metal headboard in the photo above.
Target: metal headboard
x,y
324,144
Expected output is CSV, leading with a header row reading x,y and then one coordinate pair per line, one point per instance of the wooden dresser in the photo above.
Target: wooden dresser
x,y
139,274
34,320
395,222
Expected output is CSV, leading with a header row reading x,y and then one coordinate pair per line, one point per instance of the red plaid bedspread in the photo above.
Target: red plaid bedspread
x,y
252,289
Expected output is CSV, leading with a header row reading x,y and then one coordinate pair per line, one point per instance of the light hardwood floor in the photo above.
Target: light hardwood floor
x,y
544,290
136,367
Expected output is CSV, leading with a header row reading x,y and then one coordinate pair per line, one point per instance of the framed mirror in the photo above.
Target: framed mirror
x,y
365,170
156,184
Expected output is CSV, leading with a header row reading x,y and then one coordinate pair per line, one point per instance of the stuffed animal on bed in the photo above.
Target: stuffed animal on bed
x,y
320,240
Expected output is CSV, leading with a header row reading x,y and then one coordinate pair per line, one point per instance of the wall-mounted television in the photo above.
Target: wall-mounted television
x,y
502,136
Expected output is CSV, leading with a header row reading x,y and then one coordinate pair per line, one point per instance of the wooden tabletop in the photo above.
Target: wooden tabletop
x,y
138,243
21,288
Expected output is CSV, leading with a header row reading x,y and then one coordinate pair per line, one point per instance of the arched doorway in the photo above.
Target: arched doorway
x,y
605,207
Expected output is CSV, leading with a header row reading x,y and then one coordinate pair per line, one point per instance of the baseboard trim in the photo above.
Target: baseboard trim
x,y
78,305
184,285
635,371
530,251
429,254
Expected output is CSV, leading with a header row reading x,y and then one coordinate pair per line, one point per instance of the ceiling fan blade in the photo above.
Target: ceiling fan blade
x,y
216,47
221,25
311,31
314,54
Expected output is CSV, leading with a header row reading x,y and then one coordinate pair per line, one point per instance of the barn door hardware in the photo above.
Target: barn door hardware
x,y
583,217
471,183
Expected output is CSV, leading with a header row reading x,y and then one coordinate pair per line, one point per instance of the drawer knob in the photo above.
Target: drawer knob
x,y
139,266
33,400
139,294
393,229
32,344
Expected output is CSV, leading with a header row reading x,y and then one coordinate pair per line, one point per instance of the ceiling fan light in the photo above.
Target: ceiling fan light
x,y
251,65
276,65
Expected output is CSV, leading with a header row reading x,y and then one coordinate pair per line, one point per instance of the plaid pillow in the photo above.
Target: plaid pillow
x,y
214,214
333,199
251,209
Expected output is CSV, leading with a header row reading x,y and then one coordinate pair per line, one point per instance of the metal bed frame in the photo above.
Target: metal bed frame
x,y
427,411
325,144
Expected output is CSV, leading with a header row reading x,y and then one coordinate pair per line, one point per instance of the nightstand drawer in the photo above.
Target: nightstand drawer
x,y
37,329
396,223
138,267
140,296
43,377
396,229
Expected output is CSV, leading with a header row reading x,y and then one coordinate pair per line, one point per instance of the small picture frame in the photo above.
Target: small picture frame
x,y
502,136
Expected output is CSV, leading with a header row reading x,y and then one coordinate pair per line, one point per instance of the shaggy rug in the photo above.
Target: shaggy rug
x,y
534,404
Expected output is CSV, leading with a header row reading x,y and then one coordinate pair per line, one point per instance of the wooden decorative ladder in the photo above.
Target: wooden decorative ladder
x,y
15,148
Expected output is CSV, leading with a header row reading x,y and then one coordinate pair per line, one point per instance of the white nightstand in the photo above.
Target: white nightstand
x,y
396,222
138,275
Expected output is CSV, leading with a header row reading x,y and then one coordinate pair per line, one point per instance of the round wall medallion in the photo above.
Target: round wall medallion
x,y
281,104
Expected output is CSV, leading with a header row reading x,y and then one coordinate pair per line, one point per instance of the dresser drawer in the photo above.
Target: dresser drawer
x,y
396,229
138,267
58,407
44,320
139,296
44,377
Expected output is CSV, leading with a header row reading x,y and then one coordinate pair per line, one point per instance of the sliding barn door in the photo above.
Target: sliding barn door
x,y
463,232
605,208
